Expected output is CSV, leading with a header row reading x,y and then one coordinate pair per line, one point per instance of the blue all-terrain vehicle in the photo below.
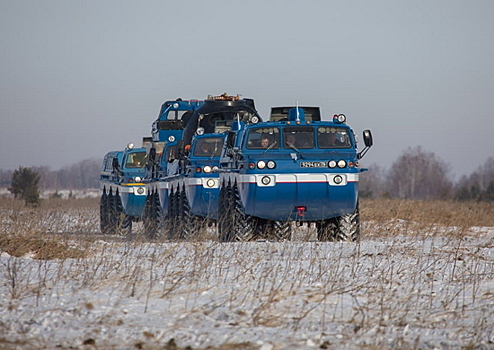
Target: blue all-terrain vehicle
x,y
185,192
293,168
167,133
122,191
125,173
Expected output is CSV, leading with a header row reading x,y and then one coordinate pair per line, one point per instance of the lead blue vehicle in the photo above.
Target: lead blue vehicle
x,y
293,168
122,192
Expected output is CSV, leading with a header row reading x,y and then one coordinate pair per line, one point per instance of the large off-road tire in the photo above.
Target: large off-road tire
x,y
112,214
152,216
180,218
172,222
233,224
158,216
343,228
146,217
349,226
123,222
188,227
278,231
224,216
125,228
327,230
103,212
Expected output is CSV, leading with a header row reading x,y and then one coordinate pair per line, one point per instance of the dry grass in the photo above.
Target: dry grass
x,y
394,216
48,232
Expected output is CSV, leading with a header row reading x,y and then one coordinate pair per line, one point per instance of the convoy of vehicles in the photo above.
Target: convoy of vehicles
x,y
216,163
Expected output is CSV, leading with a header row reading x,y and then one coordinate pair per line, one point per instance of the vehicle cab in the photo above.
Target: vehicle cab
x,y
202,174
295,167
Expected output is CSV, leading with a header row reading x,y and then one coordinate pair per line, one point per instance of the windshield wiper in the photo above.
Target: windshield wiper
x,y
292,146
214,151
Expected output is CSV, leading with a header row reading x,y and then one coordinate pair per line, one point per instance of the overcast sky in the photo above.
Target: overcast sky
x,y
81,78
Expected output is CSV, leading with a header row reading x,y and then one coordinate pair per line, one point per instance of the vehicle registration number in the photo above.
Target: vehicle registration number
x,y
312,164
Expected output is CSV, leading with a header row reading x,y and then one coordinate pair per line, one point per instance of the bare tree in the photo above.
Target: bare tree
x,y
418,174
372,182
479,185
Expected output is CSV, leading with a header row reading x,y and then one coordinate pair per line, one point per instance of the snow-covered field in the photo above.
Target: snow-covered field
x,y
427,289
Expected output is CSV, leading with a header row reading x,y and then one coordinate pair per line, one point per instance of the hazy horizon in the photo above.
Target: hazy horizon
x,y
81,79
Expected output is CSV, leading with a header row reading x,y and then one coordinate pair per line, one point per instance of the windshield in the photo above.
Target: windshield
x,y
333,137
264,138
300,137
136,160
208,147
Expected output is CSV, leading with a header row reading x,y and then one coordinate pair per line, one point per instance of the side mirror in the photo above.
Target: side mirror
x,y
115,163
368,138
181,149
230,139
368,143
152,154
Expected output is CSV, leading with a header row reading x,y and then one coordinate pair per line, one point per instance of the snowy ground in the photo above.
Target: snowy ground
x,y
428,290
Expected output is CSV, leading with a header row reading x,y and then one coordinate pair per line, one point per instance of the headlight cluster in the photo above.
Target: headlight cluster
x,y
207,169
261,164
140,190
340,164
339,118
134,179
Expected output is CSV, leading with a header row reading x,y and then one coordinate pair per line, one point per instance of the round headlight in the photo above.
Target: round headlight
x,y
130,145
254,119
341,118
200,130
207,169
332,164
140,190
271,164
215,168
261,164
337,179
341,163
265,180
176,105
138,179
210,183
171,138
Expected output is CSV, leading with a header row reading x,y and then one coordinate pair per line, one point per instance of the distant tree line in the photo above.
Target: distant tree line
x,y
415,174
418,174
81,175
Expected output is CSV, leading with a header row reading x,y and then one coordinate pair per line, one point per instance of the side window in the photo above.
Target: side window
x,y
108,163
263,138
175,115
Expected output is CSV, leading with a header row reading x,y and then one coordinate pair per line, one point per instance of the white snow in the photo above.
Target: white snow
x,y
408,292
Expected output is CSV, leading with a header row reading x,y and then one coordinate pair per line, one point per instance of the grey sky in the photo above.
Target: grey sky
x,y
80,78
